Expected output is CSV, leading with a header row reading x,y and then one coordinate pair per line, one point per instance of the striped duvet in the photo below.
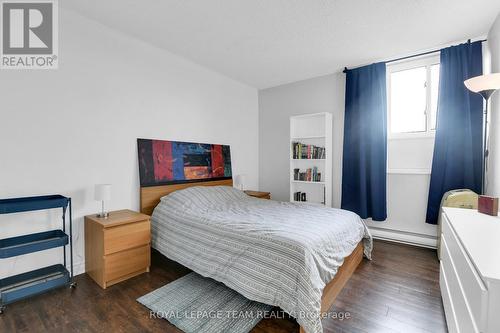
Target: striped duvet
x,y
272,252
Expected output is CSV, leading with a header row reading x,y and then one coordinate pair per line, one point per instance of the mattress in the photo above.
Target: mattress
x,y
278,253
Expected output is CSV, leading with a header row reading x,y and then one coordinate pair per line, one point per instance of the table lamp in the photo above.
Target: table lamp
x,y
485,85
239,182
102,193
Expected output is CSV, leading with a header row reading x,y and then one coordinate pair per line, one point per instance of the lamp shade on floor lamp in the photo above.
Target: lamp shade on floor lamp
x,y
485,85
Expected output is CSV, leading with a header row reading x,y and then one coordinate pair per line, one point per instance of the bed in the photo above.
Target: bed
x,y
283,254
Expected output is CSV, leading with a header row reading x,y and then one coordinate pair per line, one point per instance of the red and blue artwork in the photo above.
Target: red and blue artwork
x,y
171,162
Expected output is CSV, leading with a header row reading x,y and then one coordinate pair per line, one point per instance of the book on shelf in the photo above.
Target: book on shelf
x,y
309,175
303,151
300,196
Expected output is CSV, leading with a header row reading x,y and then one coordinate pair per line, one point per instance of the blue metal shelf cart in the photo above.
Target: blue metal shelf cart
x,y
17,287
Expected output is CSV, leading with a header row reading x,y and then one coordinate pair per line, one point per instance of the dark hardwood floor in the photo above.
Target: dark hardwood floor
x,y
396,292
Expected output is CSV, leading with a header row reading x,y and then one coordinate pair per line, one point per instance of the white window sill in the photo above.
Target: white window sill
x,y
409,171
411,136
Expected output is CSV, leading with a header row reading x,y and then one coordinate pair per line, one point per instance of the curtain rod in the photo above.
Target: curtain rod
x,y
418,54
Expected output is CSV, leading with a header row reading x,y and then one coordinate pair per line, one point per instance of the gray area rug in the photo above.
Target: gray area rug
x,y
196,304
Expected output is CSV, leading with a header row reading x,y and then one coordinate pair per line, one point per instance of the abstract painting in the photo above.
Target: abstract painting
x,y
171,162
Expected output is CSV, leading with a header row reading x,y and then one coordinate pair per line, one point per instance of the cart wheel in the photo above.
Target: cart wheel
x,y
2,309
72,285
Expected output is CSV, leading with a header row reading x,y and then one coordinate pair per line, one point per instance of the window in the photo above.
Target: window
x,y
412,97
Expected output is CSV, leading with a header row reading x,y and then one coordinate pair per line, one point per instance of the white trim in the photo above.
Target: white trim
x,y
412,135
307,182
312,203
307,115
425,60
414,171
307,137
404,237
78,268
308,159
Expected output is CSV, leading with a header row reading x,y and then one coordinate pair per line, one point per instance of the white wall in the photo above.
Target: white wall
x,y
63,131
493,175
406,192
409,163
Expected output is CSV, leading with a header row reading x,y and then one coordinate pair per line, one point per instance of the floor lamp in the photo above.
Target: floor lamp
x,y
485,85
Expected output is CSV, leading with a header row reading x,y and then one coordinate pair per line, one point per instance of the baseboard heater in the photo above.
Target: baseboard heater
x,y
405,237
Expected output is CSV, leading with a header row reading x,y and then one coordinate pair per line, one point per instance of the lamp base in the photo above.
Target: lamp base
x,y
103,215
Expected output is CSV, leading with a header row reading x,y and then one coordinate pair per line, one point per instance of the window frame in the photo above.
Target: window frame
x,y
425,61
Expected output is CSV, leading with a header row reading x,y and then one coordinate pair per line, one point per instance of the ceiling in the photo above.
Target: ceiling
x,y
265,43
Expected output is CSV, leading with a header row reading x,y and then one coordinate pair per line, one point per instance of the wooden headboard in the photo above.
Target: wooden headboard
x,y
151,195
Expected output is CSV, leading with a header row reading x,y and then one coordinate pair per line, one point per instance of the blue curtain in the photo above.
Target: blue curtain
x,y
457,160
365,142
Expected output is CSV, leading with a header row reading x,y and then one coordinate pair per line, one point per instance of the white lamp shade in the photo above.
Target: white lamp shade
x,y
102,192
488,82
239,181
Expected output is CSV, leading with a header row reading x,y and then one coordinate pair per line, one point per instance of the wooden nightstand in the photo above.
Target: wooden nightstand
x,y
118,247
258,194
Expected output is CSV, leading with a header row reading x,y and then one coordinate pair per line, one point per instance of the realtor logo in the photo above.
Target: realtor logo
x,y
29,34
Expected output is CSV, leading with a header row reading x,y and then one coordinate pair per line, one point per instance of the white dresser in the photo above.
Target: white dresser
x,y
470,271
